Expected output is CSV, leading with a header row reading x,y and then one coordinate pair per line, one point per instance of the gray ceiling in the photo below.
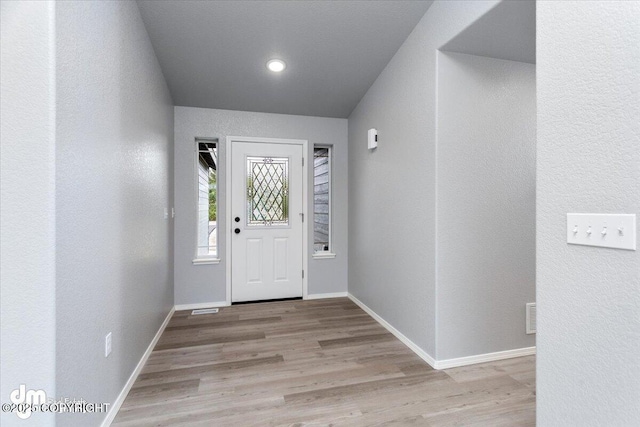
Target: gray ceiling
x,y
213,53
508,31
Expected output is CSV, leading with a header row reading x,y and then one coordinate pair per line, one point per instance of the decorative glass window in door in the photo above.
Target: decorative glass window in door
x,y
267,191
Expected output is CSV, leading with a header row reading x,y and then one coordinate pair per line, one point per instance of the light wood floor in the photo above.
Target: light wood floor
x,y
314,363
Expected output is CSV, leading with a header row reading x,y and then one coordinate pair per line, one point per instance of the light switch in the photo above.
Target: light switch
x,y
604,230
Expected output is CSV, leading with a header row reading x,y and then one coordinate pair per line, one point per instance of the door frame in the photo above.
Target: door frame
x,y
305,204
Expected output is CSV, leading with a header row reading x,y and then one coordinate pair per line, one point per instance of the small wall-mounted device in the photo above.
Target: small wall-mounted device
x,y
372,141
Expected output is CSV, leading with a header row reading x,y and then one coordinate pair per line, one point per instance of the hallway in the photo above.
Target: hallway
x,y
315,362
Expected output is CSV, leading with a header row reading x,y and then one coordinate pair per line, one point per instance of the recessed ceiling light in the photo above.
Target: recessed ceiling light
x,y
276,65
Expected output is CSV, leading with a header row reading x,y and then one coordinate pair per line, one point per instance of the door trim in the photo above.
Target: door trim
x,y
305,190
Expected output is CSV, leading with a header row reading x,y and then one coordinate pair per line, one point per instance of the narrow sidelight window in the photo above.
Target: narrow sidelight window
x,y
321,199
207,179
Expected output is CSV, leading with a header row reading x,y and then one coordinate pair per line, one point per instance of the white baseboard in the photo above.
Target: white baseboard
x,y
406,341
447,363
330,295
486,357
200,305
115,407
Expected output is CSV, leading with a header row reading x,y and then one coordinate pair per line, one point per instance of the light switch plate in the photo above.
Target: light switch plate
x,y
603,230
107,345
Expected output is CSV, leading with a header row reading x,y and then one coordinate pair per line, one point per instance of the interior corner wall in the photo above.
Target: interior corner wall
x,y
27,203
114,158
206,284
392,189
588,88
486,181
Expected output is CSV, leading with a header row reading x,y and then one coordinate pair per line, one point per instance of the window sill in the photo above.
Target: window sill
x,y
206,261
324,255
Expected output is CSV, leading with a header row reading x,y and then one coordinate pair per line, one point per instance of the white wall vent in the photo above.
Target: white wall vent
x,y
531,317
204,311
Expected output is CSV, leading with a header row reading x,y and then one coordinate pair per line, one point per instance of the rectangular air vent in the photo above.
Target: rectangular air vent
x,y
204,311
531,317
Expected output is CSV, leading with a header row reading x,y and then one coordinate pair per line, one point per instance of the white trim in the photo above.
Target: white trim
x,y
206,261
406,341
329,295
201,305
323,255
305,198
447,363
115,407
267,140
227,220
436,171
305,212
486,357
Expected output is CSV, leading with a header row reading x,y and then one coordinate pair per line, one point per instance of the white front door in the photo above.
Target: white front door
x,y
266,220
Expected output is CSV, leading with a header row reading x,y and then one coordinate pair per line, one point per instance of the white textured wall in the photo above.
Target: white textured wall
x,y
27,253
485,203
114,162
206,283
588,87
392,190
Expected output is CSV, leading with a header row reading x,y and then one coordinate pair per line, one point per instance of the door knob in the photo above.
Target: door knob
x,y
237,231
237,219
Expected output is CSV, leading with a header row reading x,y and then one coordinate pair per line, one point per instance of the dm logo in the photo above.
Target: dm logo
x,y
25,400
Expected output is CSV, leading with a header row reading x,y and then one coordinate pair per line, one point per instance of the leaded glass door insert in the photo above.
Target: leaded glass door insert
x,y
267,191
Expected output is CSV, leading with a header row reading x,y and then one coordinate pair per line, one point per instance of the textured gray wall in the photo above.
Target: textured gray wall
x,y
392,190
27,249
206,283
485,204
588,161
114,161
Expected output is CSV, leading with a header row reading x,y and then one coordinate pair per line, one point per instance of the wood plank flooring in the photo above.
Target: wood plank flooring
x,y
314,363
